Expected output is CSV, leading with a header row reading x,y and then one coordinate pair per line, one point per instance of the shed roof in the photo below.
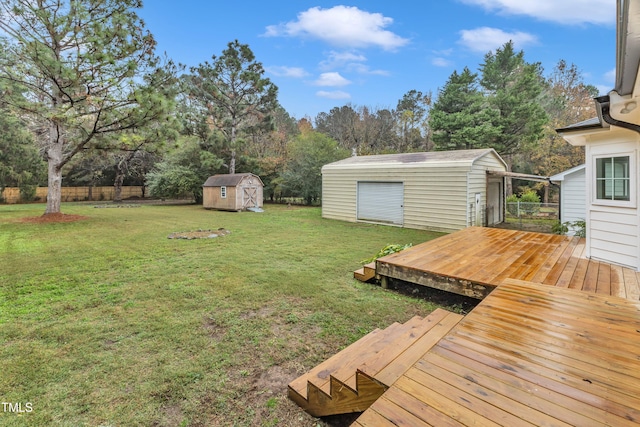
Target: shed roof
x,y
228,180
562,175
439,158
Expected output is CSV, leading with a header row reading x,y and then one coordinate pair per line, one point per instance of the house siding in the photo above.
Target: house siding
x,y
613,234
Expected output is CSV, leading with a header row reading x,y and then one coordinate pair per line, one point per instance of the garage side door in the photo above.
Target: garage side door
x,y
381,202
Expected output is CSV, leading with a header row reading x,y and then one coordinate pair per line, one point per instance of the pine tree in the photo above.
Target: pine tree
x,y
460,118
512,88
87,68
234,96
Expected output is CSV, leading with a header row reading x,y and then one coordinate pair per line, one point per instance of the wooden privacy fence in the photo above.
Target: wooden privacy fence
x,y
75,194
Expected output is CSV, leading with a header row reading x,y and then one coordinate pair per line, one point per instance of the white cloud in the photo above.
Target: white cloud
x,y
485,39
341,59
335,94
441,62
365,69
350,61
331,79
610,76
282,71
561,11
444,52
341,26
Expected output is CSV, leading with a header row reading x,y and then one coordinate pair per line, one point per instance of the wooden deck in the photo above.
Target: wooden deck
x,y
555,340
474,261
527,355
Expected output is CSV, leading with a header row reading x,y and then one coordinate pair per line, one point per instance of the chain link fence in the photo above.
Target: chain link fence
x,y
532,216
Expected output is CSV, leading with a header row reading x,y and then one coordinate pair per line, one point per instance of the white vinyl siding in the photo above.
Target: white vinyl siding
x,y
380,202
613,237
612,225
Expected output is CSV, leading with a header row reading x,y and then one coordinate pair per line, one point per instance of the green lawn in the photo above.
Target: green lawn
x,y
106,322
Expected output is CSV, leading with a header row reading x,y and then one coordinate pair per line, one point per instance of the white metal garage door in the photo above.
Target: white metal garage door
x,y
381,202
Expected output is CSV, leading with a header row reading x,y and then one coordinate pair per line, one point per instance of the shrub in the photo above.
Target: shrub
x,y
530,202
28,192
387,250
580,227
560,227
512,206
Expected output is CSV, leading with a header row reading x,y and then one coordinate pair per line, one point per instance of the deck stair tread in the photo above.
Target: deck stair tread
x,y
393,370
321,372
366,273
348,381
399,339
345,366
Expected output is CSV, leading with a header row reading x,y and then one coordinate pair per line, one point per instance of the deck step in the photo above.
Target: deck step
x,y
387,368
351,380
366,273
351,356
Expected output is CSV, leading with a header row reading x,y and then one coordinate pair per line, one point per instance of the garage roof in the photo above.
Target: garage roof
x,y
435,158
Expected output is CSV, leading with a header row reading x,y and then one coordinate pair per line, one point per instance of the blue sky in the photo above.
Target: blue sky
x,y
370,53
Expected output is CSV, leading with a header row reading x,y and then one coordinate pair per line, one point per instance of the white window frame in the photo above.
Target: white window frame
x,y
223,192
632,181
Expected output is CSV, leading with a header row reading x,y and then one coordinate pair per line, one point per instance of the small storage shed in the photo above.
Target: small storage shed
x,y
233,192
439,190
573,195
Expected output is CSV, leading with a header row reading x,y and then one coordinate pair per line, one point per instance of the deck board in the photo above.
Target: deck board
x,y
528,354
489,256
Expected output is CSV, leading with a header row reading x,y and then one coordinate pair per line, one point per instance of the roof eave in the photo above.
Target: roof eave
x,y
627,46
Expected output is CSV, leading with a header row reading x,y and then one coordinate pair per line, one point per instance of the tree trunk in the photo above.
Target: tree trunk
x,y
120,169
508,182
54,180
232,162
545,197
117,185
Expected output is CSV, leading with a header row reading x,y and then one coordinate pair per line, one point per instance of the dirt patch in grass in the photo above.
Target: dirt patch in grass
x,y
274,381
171,415
199,234
215,330
53,218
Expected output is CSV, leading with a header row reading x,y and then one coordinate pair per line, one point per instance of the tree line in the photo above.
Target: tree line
x,y
85,98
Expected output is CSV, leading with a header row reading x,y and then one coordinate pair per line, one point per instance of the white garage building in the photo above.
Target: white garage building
x,y
439,190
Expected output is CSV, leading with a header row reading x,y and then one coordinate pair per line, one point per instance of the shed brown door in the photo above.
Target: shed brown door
x,y
250,197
